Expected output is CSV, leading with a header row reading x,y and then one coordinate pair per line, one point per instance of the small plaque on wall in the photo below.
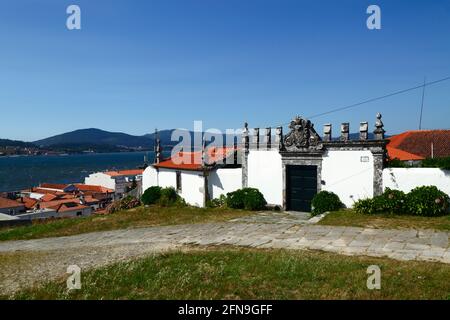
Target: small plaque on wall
x,y
364,159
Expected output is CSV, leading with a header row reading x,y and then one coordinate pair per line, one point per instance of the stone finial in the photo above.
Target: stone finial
x,y
379,131
158,148
327,132
245,137
345,129
363,131
268,138
256,137
279,137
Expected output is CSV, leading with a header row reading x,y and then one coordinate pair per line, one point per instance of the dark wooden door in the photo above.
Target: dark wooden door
x,y
301,187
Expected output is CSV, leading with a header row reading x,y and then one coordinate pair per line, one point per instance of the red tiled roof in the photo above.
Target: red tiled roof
x,y
99,189
193,160
69,206
53,186
48,197
28,202
418,144
134,172
52,204
8,203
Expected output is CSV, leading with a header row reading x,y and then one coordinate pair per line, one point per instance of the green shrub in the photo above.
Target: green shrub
x,y
427,201
393,201
254,200
217,202
169,197
325,201
235,199
151,195
365,206
247,198
443,163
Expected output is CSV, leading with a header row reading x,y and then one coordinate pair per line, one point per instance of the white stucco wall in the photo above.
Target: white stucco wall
x,y
265,174
222,181
100,179
192,184
349,174
149,178
406,179
167,178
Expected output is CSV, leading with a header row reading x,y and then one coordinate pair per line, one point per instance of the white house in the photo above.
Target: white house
x,y
115,180
194,181
288,169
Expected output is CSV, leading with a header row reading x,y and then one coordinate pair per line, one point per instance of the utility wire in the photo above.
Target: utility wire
x,y
421,107
425,84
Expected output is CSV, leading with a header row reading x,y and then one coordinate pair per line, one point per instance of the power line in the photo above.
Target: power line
x,y
421,107
380,97
425,84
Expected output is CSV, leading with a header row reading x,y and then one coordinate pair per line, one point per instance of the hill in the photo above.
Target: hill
x,y
97,137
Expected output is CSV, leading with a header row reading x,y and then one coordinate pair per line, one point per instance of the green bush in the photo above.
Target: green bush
x,y
365,206
235,199
427,201
169,197
422,201
443,163
151,195
218,202
247,198
254,200
393,201
325,201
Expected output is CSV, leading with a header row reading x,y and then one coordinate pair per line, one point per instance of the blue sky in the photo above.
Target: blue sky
x,y
139,64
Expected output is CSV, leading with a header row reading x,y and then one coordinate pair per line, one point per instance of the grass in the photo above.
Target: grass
x,y
139,217
229,273
385,221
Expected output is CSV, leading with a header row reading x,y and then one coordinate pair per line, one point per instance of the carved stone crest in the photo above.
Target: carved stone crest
x,y
302,136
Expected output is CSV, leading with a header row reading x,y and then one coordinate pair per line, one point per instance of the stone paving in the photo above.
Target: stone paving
x,y
426,245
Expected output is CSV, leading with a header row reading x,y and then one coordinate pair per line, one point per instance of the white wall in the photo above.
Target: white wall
x,y
100,179
222,181
265,174
406,179
167,178
149,178
346,174
192,184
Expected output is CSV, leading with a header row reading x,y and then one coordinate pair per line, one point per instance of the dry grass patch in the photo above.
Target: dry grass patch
x,y
138,217
385,221
234,273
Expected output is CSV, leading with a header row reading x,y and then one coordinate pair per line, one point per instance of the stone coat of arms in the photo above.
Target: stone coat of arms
x,y
301,136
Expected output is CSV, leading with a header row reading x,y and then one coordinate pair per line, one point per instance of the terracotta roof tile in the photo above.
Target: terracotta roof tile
x,y
193,160
418,144
8,203
133,172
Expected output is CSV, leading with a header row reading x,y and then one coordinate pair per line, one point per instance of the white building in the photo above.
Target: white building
x,y
288,169
115,180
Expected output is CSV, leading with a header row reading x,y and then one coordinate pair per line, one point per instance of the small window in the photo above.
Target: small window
x,y
79,213
178,181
